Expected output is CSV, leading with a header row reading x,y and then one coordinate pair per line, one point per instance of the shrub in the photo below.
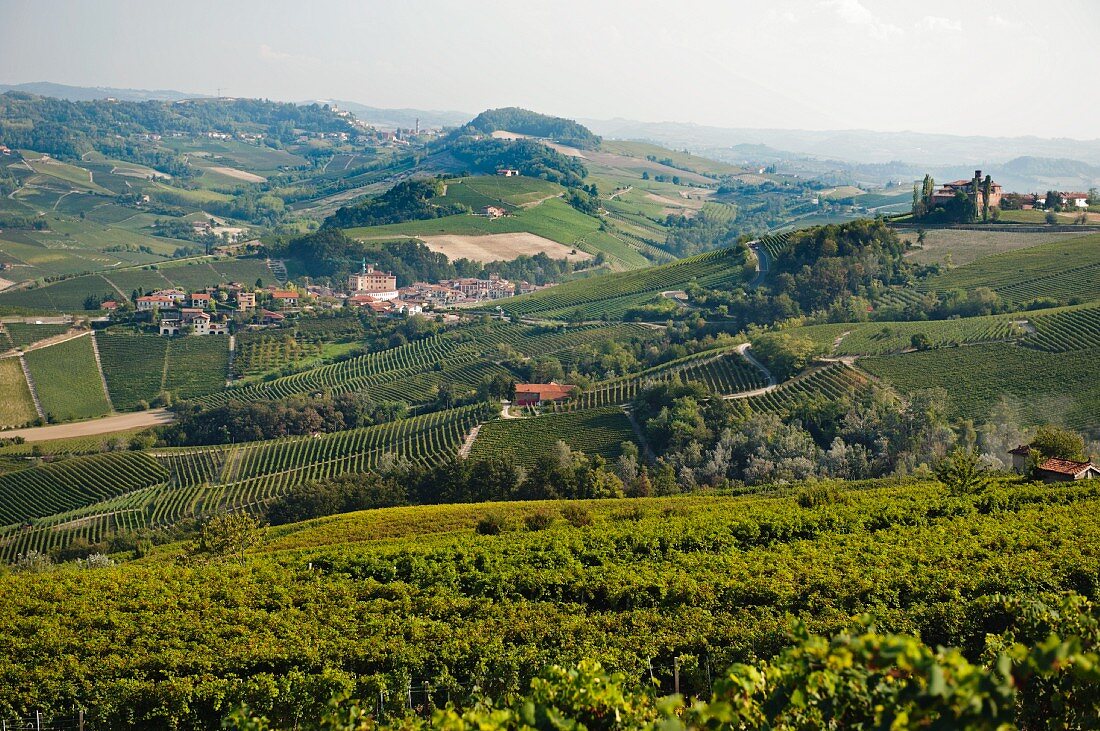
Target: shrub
x,y
818,495
491,525
538,520
576,515
32,562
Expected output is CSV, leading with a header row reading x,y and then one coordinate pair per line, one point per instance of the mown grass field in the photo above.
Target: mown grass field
x,y
1039,387
553,219
67,380
16,405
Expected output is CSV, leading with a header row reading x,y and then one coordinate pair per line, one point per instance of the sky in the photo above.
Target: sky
x,y
1002,68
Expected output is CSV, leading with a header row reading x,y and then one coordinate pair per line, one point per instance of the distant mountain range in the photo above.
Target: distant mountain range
x,y
90,93
858,146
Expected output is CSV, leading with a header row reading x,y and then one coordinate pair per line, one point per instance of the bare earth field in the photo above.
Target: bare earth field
x,y
967,246
238,174
500,247
92,427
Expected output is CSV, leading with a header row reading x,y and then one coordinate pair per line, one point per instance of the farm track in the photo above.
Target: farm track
x,y
743,351
93,427
30,386
102,378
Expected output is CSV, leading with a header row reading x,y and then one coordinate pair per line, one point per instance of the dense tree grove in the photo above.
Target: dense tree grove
x,y
526,122
531,158
409,200
259,420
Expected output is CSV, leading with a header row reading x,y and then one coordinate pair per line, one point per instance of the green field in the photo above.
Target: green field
x,y
67,380
553,219
592,431
16,405
964,246
1040,387
876,338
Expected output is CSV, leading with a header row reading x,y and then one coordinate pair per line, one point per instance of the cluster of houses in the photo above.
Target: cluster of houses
x,y
196,312
379,291
1067,200
946,192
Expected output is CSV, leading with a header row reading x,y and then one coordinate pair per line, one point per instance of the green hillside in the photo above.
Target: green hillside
x,y
639,585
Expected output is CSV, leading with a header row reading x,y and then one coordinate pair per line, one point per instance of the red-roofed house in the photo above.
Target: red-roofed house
x,y
1067,470
533,394
1078,200
200,299
289,297
109,305
154,301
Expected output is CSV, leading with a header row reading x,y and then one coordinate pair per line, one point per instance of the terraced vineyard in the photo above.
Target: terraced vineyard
x,y
1060,388
725,373
593,431
133,365
1069,329
187,482
874,338
411,372
67,380
775,244
614,294
54,487
1061,270
833,381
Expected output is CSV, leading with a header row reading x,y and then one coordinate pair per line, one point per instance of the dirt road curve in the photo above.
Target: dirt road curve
x,y
107,425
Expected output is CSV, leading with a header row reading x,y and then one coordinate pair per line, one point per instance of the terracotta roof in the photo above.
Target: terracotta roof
x,y
154,298
284,293
1064,466
200,296
545,391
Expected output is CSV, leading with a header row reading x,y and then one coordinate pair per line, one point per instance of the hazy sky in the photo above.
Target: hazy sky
x,y
1001,68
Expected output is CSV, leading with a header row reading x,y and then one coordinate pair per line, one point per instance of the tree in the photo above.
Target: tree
x,y
1051,218
920,341
987,189
1053,201
1094,197
962,472
1054,442
227,535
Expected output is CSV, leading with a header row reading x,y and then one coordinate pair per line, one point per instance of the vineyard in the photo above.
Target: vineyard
x,y
197,365
1069,329
259,353
879,338
834,381
67,380
86,497
413,371
133,366
592,431
775,244
21,335
1038,387
54,487
1062,270
702,581
613,294
725,373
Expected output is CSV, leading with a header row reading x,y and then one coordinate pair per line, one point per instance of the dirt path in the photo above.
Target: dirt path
x,y
743,351
56,339
106,425
102,376
464,450
617,193
840,339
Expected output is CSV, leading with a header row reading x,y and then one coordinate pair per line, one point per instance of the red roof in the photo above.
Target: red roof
x,y
200,296
1064,466
283,294
272,315
154,298
545,391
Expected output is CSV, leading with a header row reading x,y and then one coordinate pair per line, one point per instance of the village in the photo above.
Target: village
x,y
210,311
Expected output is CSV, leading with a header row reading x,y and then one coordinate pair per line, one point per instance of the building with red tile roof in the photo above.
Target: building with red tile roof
x,y
533,394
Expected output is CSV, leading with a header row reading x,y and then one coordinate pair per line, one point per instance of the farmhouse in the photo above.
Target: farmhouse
x,y
109,305
1077,200
508,172
200,299
153,302
1067,470
380,285
492,211
176,295
533,394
